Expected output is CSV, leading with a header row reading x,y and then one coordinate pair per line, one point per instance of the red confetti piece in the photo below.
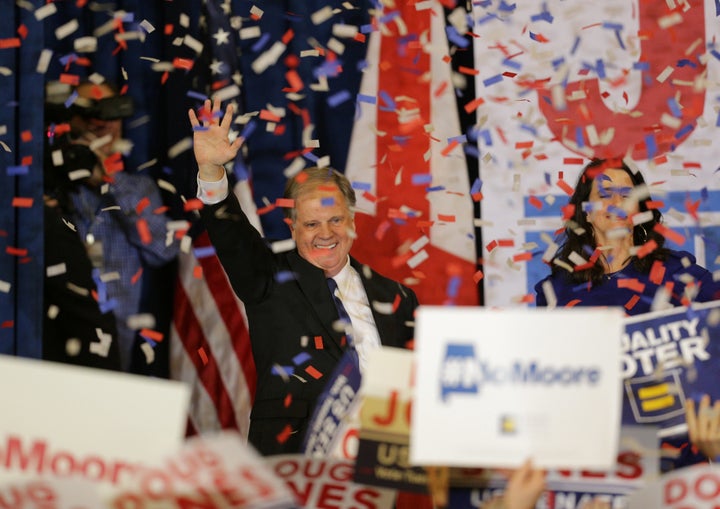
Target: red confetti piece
x,y
142,205
310,370
424,224
151,334
319,343
440,89
477,277
631,284
522,257
506,243
144,231
646,249
535,202
396,302
192,204
287,36
16,251
284,434
477,196
136,277
491,245
24,203
468,70
631,303
183,63
359,37
7,324
12,42
654,204
670,234
266,209
573,303
203,356
523,144
572,160
657,272
69,79
287,401
528,298
23,31
370,197
26,136
198,272
168,28
567,188
449,148
692,208
287,203
269,116
474,104
447,218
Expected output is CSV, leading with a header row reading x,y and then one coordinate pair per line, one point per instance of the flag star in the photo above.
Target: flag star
x,y
237,78
217,66
221,37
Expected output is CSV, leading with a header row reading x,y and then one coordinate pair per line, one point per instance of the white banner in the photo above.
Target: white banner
x,y
506,385
559,82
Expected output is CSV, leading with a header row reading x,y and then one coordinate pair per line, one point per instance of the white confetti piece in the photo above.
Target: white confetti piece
x,y
147,26
256,11
180,147
336,46
53,311
56,270
147,349
665,74
323,162
345,31
268,58
295,167
281,246
250,33
419,243
193,44
141,321
418,259
4,286
43,61
87,44
46,10
68,28
227,93
322,15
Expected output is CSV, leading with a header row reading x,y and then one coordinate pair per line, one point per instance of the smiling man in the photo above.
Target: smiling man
x,y
307,306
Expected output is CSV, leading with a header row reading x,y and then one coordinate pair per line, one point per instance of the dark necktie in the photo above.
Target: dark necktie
x,y
344,317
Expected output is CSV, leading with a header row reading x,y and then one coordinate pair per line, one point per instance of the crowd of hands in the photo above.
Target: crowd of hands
x,y
526,484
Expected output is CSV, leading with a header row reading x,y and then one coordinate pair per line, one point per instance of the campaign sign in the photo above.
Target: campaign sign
x,y
219,471
327,483
695,487
50,493
333,428
76,422
494,387
384,450
636,465
667,357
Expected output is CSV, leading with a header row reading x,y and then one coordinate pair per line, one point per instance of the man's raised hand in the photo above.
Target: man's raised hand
x,y
210,139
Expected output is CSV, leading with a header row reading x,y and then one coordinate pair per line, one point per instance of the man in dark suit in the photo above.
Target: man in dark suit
x,y
296,320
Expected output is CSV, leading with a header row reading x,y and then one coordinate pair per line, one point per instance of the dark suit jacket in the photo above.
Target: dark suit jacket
x,y
290,312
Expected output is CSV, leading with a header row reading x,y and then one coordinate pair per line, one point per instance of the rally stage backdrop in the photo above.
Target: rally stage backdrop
x,y
560,82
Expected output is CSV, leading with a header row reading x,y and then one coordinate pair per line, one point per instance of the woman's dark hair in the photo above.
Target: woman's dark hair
x,y
578,236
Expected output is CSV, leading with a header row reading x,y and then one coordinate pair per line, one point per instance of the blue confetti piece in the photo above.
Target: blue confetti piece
x,y
548,179
311,157
613,26
506,7
366,29
674,107
685,130
641,66
283,370
362,186
557,62
486,19
453,286
421,179
14,171
108,305
196,95
460,139
456,38
260,43
704,194
71,100
284,276
472,151
384,20
531,129
618,38
70,57
248,129
388,100
715,53
328,201
514,64
684,62
435,188
301,358
492,80
370,99
600,69
476,187
203,252
542,16
200,128
717,122
651,146
576,45
486,136
338,98
579,139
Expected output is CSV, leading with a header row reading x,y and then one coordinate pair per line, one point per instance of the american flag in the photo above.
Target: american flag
x,y
210,342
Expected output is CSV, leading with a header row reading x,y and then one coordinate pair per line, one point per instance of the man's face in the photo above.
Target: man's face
x,y
94,128
324,228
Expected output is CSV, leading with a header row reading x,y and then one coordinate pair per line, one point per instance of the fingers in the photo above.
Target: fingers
x,y
691,419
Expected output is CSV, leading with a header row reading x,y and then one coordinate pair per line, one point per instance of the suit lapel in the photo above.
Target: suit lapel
x,y
313,285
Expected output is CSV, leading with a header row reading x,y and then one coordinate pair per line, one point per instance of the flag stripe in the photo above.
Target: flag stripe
x,y
193,340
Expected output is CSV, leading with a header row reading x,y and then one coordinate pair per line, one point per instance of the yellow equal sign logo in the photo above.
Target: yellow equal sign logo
x,y
656,397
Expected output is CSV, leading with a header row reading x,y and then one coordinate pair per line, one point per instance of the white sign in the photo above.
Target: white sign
x,y
75,422
495,387
695,487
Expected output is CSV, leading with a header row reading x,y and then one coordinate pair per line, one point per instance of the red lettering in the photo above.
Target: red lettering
x,y
93,468
675,490
350,444
590,473
62,460
127,501
286,468
156,484
629,465
367,498
308,469
7,503
41,493
192,502
301,496
341,472
261,486
705,482
390,416
33,460
330,493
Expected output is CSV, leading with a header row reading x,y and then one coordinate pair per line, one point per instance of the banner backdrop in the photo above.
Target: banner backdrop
x,y
559,82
